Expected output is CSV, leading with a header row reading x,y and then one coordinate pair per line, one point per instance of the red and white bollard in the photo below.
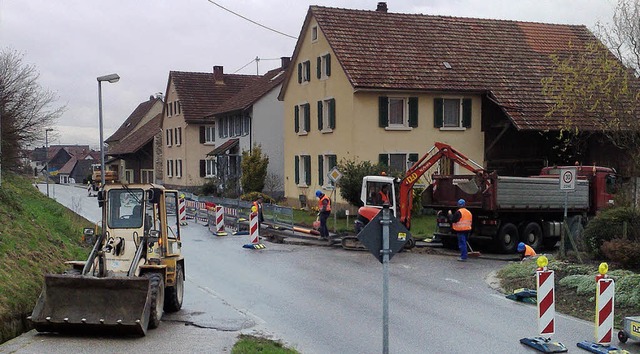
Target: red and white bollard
x,y
182,211
220,221
546,303
254,231
605,294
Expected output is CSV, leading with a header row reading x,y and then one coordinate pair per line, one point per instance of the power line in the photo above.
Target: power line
x,y
252,21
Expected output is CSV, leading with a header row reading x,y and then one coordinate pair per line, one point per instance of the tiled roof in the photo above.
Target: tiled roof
x,y
137,139
132,121
506,59
253,92
68,167
199,94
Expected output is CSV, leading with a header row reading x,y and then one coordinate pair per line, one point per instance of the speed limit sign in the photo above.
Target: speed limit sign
x,y
567,179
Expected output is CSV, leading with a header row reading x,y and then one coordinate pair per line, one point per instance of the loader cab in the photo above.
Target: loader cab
x,y
125,208
373,186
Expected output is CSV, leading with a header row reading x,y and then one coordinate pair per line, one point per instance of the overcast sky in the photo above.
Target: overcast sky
x,y
72,42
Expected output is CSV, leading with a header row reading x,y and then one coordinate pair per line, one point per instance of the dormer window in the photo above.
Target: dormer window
x,y
314,33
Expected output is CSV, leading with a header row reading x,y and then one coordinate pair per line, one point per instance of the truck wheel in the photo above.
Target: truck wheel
x,y
622,337
507,238
174,294
532,235
411,243
156,284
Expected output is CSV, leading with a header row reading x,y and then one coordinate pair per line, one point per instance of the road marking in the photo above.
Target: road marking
x,y
452,280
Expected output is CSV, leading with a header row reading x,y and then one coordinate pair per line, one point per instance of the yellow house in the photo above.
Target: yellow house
x,y
383,87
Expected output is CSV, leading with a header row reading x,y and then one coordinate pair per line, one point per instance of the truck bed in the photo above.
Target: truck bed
x,y
527,193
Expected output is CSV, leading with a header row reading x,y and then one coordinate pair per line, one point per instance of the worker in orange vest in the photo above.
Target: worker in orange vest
x,y
384,194
258,204
324,210
461,224
525,251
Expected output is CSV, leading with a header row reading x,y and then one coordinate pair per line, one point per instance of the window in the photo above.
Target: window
x,y
128,175
210,168
237,120
208,134
169,168
246,125
302,118
327,115
169,109
325,164
147,176
169,137
304,72
314,33
225,127
452,113
323,69
178,168
398,112
398,162
179,107
178,135
302,170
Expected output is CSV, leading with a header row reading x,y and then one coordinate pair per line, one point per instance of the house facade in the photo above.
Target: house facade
x,y
132,148
383,87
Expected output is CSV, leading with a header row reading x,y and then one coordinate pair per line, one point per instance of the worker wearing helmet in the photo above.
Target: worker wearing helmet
x,y
525,251
461,224
324,209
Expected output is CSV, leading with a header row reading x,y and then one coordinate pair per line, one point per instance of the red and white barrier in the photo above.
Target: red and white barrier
x,y
183,212
254,232
220,221
605,292
546,302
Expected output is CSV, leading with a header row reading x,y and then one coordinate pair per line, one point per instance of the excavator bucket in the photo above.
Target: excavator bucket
x,y
81,304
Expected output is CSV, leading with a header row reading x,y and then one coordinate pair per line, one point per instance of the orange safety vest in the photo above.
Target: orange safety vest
x,y
464,224
383,197
529,251
328,203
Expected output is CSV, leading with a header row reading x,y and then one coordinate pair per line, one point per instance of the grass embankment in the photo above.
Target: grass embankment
x,y
250,345
576,287
36,236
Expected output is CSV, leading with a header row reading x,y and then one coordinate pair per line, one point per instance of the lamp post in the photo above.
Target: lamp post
x,y
46,148
112,78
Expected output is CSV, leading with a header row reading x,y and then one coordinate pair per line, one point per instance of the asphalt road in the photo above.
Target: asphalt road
x,y
326,300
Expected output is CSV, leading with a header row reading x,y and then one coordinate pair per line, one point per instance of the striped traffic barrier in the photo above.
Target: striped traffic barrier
x,y
605,297
220,221
545,293
254,231
183,211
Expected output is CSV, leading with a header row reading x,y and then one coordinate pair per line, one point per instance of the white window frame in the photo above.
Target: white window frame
x,y
407,164
302,171
323,66
314,33
326,169
128,175
325,115
246,125
170,168
405,112
460,124
169,109
209,134
211,167
178,168
305,70
302,119
169,137
177,132
147,176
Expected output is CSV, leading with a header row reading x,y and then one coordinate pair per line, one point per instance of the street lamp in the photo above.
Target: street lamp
x,y
112,78
46,148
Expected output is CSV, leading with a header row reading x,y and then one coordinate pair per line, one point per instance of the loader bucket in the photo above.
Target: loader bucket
x,y
81,304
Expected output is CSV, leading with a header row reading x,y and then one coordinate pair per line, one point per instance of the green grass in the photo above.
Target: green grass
x,y
36,236
251,345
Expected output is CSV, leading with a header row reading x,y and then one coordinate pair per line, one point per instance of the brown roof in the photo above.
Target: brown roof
x,y
253,92
505,59
199,94
68,167
134,118
137,139
224,147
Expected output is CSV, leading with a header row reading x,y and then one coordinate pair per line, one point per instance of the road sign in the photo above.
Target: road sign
x,y
371,236
334,175
568,179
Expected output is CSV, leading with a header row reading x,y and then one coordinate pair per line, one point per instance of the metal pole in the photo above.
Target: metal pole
x,y
386,221
563,235
46,157
102,179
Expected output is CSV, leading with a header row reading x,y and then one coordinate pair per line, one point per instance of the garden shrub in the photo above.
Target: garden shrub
x,y
624,252
608,226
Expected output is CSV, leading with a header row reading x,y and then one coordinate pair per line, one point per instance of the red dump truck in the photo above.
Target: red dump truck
x,y
509,210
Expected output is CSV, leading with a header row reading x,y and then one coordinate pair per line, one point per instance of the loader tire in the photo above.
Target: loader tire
x,y
156,284
174,294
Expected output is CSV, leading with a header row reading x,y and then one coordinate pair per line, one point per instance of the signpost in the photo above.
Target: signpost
x,y
384,236
567,184
334,175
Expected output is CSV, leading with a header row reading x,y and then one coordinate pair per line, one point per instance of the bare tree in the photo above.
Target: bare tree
x,y
622,36
26,109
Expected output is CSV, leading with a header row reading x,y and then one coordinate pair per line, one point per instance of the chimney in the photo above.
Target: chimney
x,y
218,75
382,7
284,62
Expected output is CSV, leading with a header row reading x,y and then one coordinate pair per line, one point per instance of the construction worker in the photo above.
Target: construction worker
x,y
258,204
384,194
324,209
461,224
525,251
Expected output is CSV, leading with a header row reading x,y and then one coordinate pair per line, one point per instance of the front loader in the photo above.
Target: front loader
x,y
133,274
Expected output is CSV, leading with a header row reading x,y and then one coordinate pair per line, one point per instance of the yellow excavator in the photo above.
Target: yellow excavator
x,y
133,274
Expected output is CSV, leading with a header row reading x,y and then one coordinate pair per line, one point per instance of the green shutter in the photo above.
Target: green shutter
x,y
332,113
383,159
308,69
328,64
202,134
320,170
320,115
307,117
383,111
333,161
413,112
466,113
299,73
203,168
297,169
319,67
438,114
307,169
296,119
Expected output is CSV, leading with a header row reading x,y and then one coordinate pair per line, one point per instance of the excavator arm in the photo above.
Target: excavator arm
x,y
426,162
